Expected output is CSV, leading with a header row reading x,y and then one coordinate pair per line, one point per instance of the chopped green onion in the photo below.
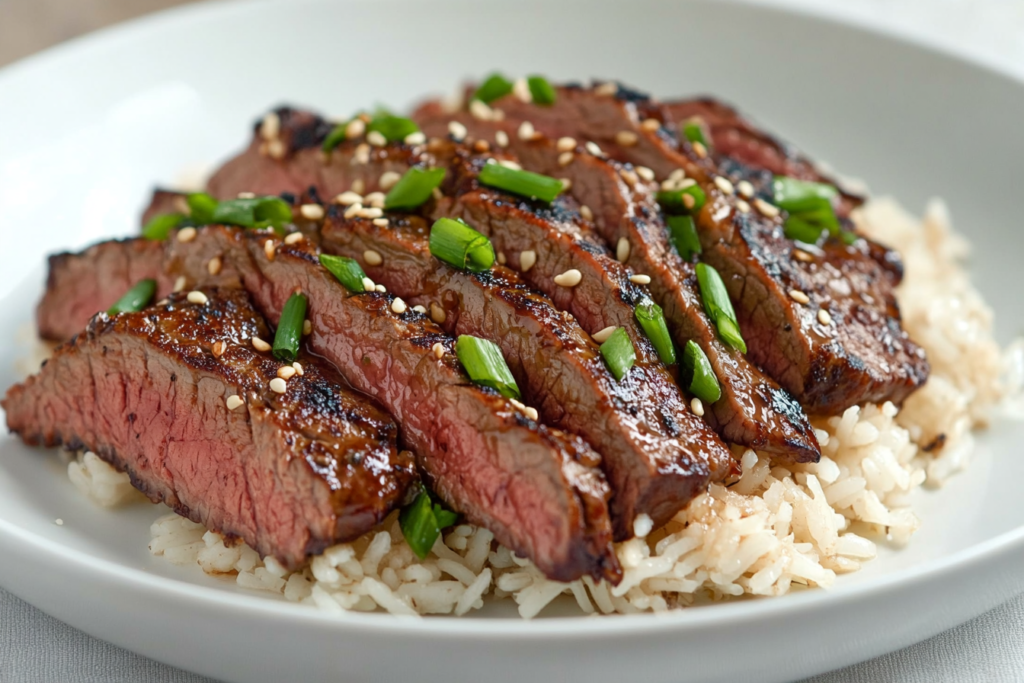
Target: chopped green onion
x,y
796,228
495,87
523,183
541,90
618,353
335,137
676,201
289,328
346,270
201,207
413,189
485,365
718,306
423,521
652,319
683,233
461,246
695,130
393,128
135,299
255,212
159,227
848,236
703,382
789,192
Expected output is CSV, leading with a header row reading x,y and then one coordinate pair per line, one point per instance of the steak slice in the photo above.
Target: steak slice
x,y
538,489
842,346
289,473
656,454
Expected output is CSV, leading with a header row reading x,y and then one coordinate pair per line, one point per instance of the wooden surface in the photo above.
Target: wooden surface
x,y
27,26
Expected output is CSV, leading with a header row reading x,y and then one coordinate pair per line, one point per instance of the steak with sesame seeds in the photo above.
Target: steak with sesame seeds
x,y
290,474
656,454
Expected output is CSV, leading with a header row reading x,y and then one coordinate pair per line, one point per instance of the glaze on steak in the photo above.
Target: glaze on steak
x,y
290,474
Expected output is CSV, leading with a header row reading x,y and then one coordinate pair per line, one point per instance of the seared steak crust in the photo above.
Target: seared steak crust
x,y
289,473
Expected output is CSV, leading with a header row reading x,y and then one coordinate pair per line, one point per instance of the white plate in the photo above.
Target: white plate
x,y
86,129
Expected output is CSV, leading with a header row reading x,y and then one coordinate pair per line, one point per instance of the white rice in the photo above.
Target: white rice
x,y
776,528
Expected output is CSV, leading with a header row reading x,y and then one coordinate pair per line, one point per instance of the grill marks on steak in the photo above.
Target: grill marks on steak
x,y
656,454
289,473
862,356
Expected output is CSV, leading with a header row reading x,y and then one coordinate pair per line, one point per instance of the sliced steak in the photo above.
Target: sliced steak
x,y
842,346
289,473
656,454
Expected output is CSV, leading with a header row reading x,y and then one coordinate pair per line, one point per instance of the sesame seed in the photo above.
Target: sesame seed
x,y
521,89
259,344
437,313
645,173
388,180
419,308
566,183
358,186
242,195
234,401
380,222
372,257
767,209
527,259
501,258
508,163
626,138
724,184
398,306
601,336
697,406
629,176
824,317
457,131
745,188
276,149
566,158
214,265
417,138
307,327
278,385
798,296
438,349
380,288
609,88
313,212
218,348
622,250
376,138
801,255
375,199
531,413
355,129
298,369
569,278
285,372
651,125
517,404
362,155
294,238
271,126
742,206
479,110
196,297
586,212
270,249
565,144
481,146
368,284
594,149
352,210
372,212
677,174
348,198
501,137
187,234
640,279
180,283
163,302
688,201
700,149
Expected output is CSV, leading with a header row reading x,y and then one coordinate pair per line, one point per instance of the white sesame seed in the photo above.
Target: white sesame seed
x,y
601,336
398,306
501,138
508,163
479,110
697,406
372,257
234,401
569,278
348,198
742,206
521,89
271,126
372,212
187,234
645,173
380,288
677,174
307,327
358,186
437,313
565,144
362,155
566,183
242,195
629,176
380,222
626,138
700,149
531,412
353,210
269,249
59,521
594,149
417,138
801,255
298,369
824,317
163,302
767,209
651,125
312,212
376,138
355,129
368,284
375,199
610,88
622,250
438,349
419,308
501,258
294,238
218,348
688,201
278,385
259,344
388,179
180,283
586,212
640,279
724,184
798,296
276,149
213,266
517,404
745,188
527,259
566,158
197,297
457,131
285,372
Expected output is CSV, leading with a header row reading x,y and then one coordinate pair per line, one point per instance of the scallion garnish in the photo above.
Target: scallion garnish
x,y
253,212
423,521
697,369
789,192
159,227
461,246
687,200
809,205
652,319
393,128
618,353
289,328
335,137
541,90
695,130
683,233
495,87
413,189
201,207
523,183
346,270
485,365
135,299
718,306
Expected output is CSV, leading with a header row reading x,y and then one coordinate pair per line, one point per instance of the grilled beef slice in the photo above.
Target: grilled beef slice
x,y
289,473
858,354
656,454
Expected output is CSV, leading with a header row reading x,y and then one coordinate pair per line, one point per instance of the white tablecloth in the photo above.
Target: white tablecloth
x,y
990,649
